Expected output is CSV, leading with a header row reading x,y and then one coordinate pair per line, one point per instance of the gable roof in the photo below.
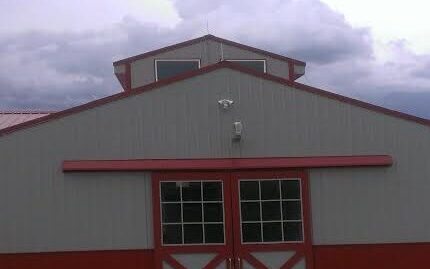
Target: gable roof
x,y
213,38
204,70
11,118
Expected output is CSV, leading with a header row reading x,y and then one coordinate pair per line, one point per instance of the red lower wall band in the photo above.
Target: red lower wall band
x,y
375,256
112,259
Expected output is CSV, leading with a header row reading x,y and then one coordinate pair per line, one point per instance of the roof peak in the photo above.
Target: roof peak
x,y
203,38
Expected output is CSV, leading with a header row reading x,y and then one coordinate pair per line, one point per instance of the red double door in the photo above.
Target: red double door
x,y
232,220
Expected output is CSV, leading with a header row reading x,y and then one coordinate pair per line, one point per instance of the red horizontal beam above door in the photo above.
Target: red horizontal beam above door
x,y
226,163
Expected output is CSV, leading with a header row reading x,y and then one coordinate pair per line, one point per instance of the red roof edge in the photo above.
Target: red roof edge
x,y
207,37
207,69
227,163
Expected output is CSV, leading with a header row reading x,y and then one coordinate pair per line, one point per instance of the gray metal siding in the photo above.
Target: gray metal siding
x,y
43,209
49,211
209,52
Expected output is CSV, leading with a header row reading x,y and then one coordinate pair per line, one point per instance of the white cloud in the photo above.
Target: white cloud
x,y
390,20
63,15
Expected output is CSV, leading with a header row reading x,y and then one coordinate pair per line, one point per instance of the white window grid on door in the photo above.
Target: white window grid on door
x,y
261,221
202,202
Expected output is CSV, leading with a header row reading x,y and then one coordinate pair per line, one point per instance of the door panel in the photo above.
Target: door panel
x,y
270,225
192,220
232,220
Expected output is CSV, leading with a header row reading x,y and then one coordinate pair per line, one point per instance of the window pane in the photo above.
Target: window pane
x,y
170,192
293,231
269,189
213,212
271,210
193,233
291,210
251,232
171,212
172,234
250,211
249,190
272,232
290,189
212,191
191,191
167,69
192,212
256,65
214,233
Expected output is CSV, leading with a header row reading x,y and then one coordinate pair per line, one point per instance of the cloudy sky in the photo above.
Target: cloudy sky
x,y
58,54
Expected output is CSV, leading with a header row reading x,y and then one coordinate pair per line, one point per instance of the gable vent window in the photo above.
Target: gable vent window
x,y
257,65
169,68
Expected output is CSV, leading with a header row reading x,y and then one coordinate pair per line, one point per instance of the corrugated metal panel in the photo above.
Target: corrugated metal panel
x,y
209,52
183,120
8,119
85,211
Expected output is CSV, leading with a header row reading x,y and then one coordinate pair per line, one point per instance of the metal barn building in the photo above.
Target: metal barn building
x,y
214,157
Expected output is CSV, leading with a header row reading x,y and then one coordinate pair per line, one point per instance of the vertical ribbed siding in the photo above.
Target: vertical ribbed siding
x,y
209,52
43,209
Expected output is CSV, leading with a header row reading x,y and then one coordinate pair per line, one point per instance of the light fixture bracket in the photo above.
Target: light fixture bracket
x,y
225,103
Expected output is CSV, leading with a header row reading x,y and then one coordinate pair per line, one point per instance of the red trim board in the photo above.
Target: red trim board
x,y
110,259
204,70
373,256
226,163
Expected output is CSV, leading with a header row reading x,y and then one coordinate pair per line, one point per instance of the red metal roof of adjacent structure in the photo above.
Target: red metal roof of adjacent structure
x,y
204,70
11,118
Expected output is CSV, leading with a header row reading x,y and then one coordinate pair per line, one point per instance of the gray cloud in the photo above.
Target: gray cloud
x,y
57,70
415,103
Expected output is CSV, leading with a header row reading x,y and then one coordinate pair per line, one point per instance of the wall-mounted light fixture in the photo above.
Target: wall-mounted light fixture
x,y
225,103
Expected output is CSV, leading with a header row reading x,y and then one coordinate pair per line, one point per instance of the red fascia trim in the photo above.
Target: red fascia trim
x,y
307,216
109,259
291,75
127,77
372,256
226,163
204,70
208,37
